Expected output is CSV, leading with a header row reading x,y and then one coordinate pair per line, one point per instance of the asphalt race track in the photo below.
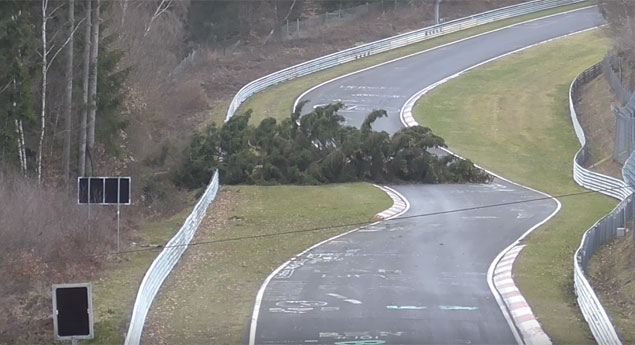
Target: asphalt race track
x,y
419,279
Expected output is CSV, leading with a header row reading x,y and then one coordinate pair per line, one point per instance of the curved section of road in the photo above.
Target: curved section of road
x,y
420,278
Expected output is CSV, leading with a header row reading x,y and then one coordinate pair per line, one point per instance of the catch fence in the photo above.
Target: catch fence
x,y
601,232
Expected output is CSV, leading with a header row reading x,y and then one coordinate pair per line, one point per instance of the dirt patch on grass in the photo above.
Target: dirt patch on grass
x,y
593,106
612,272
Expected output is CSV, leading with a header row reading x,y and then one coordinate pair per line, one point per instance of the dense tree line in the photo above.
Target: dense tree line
x,y
318,148
60,83
214,21
620,16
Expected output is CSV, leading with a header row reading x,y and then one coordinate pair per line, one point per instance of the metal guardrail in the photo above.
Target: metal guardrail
x,y
390,43
167,259
624,116
604,230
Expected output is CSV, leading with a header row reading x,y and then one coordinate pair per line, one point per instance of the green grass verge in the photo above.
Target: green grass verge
x,y
208,299
277,101
114,292
511,116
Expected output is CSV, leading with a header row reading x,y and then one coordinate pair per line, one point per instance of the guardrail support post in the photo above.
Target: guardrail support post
x,y
437,6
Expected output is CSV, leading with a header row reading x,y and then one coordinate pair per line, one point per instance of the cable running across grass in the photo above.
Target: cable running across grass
x,y
358,224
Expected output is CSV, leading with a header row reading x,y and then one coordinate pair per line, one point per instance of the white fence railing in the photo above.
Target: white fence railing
x,y
604,230
381,46
167,259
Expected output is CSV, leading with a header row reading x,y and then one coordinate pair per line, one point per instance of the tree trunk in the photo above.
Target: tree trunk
x,y
68,95
21,150
92,85
85,80
45,66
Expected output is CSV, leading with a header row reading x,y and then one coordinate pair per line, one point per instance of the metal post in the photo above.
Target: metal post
x,y
74,341
437,5
297,21
118,207
89,197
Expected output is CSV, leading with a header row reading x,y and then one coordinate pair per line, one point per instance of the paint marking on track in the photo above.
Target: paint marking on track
x,y
406,307
456,307
344,298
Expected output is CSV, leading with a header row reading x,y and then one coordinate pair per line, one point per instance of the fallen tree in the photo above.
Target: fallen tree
x,y
318,148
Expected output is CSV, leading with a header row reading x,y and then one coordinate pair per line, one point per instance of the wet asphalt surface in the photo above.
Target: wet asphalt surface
x,y
420,279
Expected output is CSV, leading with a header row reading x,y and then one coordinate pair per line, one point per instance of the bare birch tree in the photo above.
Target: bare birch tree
x,y
45,66
92,84
68,92
163,7
85,81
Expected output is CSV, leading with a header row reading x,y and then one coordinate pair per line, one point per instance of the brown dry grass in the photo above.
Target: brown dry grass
x,y
45,238
593,105
158,327
612,272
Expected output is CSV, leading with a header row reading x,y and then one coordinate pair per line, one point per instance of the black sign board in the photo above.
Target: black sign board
x,y
73,311
103,190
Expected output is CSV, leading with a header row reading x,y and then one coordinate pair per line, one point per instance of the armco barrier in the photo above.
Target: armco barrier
x,y
166,260
381,46
604,230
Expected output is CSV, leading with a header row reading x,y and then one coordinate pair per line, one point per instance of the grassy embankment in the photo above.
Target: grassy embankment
x,y
593,105
612,271
511,116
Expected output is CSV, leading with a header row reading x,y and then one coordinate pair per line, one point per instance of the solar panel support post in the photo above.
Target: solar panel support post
x,y
118,208
89,198
74,341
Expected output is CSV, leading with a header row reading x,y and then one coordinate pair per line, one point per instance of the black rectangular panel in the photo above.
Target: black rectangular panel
x,y
72,311
111,189
96,190
82,190
124,187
